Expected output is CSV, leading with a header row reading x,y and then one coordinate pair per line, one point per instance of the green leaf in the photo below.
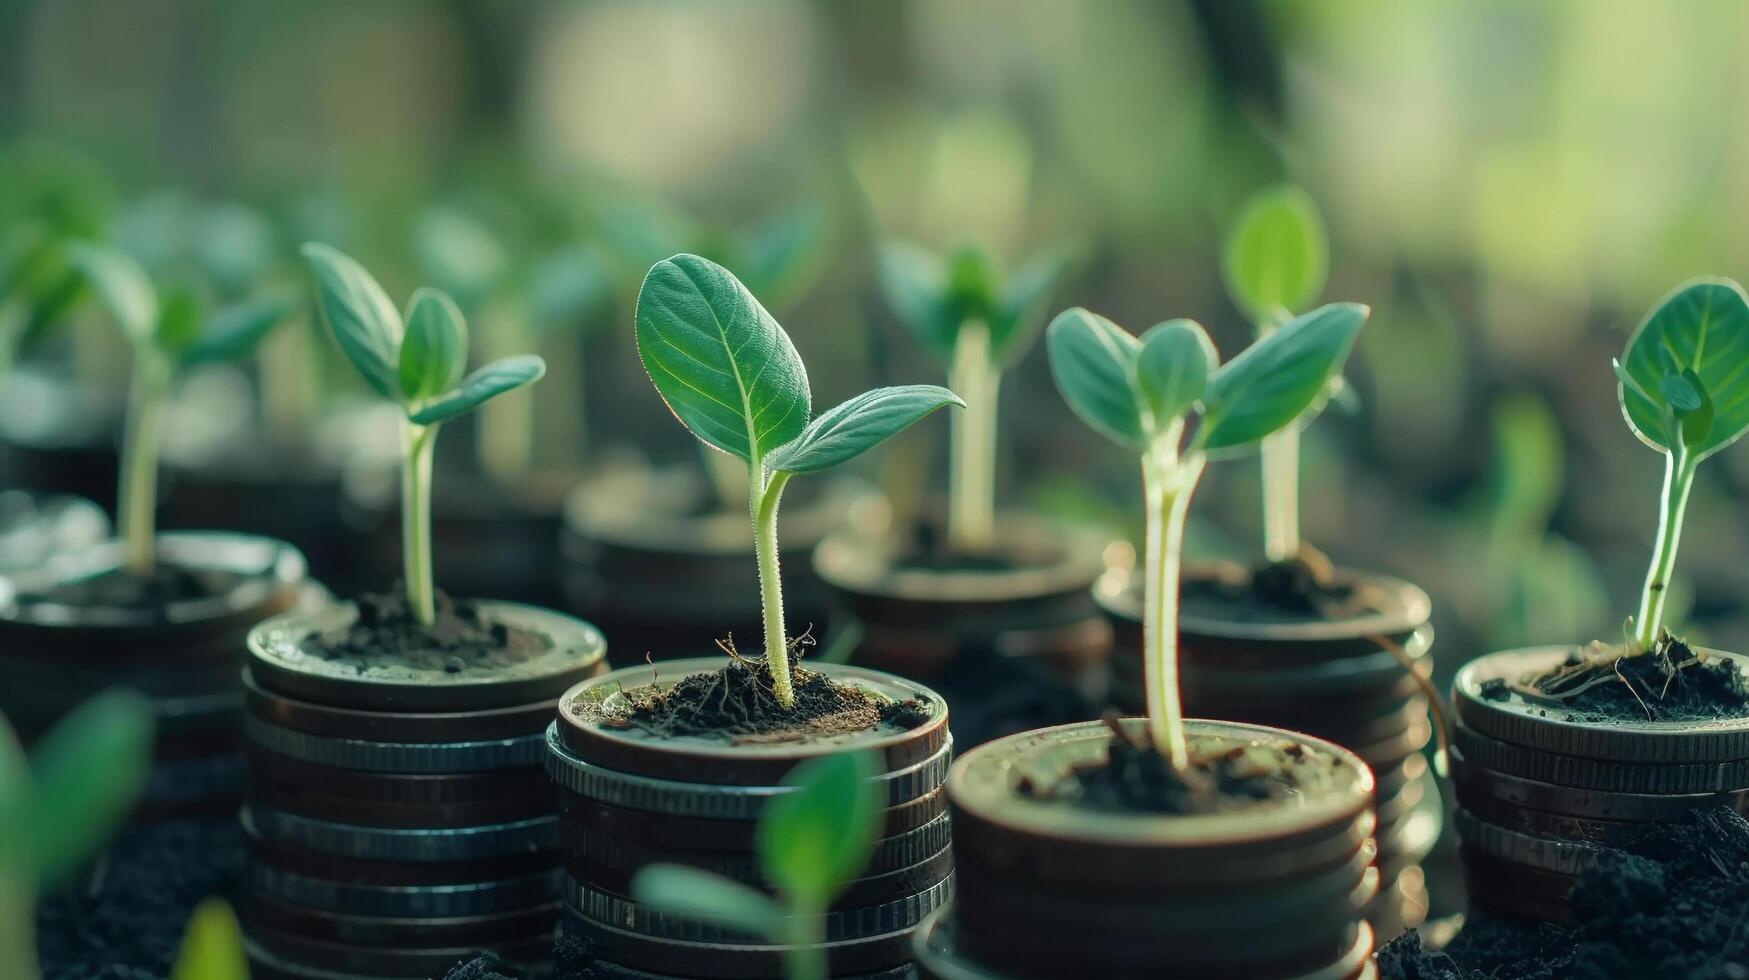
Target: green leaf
x,y
1276,255
914,283
1094,363
1701,328
89,771
212,948
496,378
233,333
815,841
15,793
181,311
726,369
1277,378
434,353
856,426
363,320
1019,313
121,285
1173,368
460,254
694,894
1682,396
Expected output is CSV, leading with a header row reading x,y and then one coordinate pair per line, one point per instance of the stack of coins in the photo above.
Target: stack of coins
x,y
629,800
1050,889
399,819
182,654
1540,790
1331,680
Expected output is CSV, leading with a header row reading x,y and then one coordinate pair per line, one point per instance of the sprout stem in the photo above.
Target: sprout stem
x,y
971,488
137,497
13,314
417,442
805,957
1679,470
763,502
1281,494
1167,484
17,930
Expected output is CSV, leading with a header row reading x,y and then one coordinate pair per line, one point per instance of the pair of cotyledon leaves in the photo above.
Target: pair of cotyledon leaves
x,y
731,375
175,323
1133,389
812,841
418,362
936,296
1684,378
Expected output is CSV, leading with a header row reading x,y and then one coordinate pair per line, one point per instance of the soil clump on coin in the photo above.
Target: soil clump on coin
x,y
1670,682
1298,590
1670,904
737,702
120,588
461,640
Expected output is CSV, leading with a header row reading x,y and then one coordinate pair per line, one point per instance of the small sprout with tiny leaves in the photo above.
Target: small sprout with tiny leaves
x,y
731,375
417,363
1167,398
170,331
812,842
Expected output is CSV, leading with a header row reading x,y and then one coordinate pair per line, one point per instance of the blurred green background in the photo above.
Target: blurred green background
x,y
1510,185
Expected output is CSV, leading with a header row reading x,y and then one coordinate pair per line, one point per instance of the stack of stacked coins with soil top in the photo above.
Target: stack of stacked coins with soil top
x,y
398,816
675,763
1554,759
82,622
1081,852
1279,649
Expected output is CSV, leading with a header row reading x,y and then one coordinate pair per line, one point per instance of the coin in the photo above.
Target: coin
x,y
1615,777
606,851
473,898
706,834
1470,780
836,926
477,930
586,734
476,755
1563,856
392,726
401,844
391,799
730,961
872,888
294,954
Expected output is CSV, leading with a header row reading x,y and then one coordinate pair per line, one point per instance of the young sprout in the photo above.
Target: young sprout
x,y
961,311
88,771
170,332
1274,263
417,364
49,199
812,843
731,376
1684,390
212,947
515,305
1167,398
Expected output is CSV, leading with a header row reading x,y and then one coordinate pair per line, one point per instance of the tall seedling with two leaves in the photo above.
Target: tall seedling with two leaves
x,y
170,331
960,309
417,363
1167,398
812,842
1274,263
731,375
1684,390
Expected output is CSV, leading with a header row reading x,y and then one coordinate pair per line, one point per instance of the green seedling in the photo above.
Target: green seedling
x,y
49,199
729,373
58,809
212,947
1684,390
170,330
417,363
1274,263
1167,398
812,843
962,311
518,305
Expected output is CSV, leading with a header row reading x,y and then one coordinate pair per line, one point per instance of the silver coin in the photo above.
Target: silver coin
x,y
417,845
1471,779
1562,856
408,901
1615,777
890,853
398,757
845,924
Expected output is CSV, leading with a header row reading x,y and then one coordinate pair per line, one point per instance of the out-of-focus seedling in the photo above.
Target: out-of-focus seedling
x,y
1274,263
1684,390
963,311
212,948
812,843
731,376
170,331
49,199
417,363
1167,398
56,810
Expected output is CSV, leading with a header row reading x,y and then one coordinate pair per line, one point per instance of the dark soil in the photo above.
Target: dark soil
x,y
1299,590
116,588
1671,682
737,702
124,919
387,635
1135,778
482,967
1672,905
